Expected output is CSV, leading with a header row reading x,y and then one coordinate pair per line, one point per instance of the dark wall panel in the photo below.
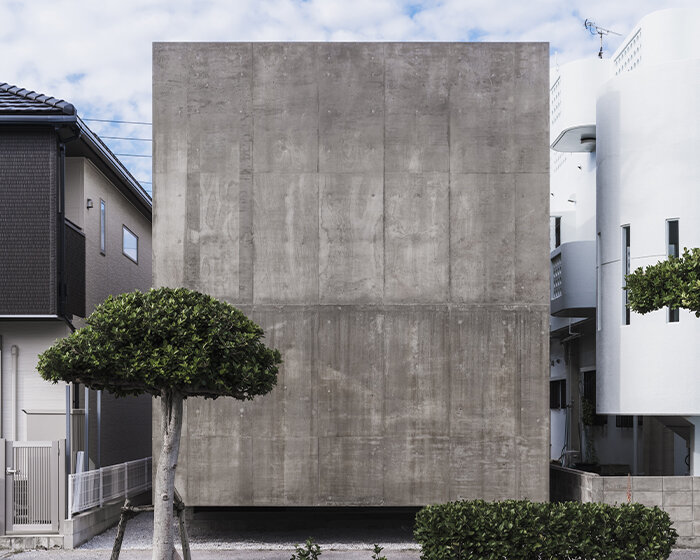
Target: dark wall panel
x,y
75,271
28,178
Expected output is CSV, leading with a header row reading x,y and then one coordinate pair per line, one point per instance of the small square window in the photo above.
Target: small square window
x,y
130,244
557,394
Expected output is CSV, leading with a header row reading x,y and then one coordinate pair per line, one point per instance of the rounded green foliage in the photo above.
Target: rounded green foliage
x,y
165,339
671,283
524,530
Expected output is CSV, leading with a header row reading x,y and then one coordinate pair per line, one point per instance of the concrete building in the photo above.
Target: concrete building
x,y
624,174
380,209
75,226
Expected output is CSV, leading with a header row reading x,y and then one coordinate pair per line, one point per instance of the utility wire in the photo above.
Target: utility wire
x,y
132,155
120,122
126,138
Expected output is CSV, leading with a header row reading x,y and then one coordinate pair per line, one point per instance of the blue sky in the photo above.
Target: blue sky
x,y
97,54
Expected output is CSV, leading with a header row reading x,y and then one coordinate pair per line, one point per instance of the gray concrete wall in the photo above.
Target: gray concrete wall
x,y
381,210
676,495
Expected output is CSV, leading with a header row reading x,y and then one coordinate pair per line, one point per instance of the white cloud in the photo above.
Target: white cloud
x,y
97,55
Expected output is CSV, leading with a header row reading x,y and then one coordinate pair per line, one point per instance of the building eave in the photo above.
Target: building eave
x,y
91,146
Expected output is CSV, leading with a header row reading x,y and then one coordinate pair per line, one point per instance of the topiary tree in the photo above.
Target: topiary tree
x,y
671,283
172,344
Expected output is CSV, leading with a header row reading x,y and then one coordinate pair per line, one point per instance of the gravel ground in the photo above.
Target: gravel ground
x,y
335,545
249,545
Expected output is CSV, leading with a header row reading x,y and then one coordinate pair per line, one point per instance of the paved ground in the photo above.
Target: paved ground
x,y
82,554
337,544
244,544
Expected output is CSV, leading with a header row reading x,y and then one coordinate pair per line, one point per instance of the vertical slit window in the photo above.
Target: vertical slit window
x,y
102,226
673,245
625,271
554,232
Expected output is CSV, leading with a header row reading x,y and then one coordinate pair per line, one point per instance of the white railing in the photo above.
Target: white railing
x,y
93,488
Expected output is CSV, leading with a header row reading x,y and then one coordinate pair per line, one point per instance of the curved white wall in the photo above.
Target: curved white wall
x,y
665,35
573,94
648,171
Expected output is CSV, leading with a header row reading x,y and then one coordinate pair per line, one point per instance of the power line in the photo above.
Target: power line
x,y
131,155
127,138
120,122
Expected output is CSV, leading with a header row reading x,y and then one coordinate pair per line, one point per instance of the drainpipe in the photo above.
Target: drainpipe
x,y
635,429
13,392
86,445
98,461
61,232
1,376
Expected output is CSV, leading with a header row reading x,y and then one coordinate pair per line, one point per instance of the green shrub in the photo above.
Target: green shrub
x,y
309,551
523,530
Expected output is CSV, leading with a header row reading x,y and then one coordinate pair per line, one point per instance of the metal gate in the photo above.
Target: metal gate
x,y
31,486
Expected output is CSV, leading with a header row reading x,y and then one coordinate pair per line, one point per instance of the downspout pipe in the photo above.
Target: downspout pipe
x,y
1,377
13,393
61,233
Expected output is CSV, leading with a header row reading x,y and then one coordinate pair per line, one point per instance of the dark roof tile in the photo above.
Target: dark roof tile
x,y
14,100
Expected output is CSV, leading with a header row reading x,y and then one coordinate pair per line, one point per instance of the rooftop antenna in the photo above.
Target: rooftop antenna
x,y
597,30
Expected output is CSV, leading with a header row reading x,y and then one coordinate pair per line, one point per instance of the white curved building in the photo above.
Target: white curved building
x,y
644,142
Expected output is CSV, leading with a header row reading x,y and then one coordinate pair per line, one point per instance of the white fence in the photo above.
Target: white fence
x,y
93,488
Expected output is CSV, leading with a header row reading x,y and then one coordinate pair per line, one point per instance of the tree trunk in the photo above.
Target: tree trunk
x,y
170,429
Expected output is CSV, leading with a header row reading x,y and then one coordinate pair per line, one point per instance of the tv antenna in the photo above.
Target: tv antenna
x,y
597,30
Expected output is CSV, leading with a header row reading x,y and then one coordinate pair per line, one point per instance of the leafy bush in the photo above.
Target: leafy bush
x,y
310,551
523,530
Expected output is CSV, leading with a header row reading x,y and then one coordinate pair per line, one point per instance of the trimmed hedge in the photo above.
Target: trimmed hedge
x,y
523,530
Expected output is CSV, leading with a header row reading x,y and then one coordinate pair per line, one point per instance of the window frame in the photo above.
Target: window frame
x,y
103,227
124,231
673,249
557,394
626,267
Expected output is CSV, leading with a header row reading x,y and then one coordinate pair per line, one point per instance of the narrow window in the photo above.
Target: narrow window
x,y
130,244
590,398
102,226
673,251
554,232
625,272
557,394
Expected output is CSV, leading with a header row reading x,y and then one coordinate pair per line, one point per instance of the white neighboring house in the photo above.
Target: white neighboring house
x,y
625,190
75,226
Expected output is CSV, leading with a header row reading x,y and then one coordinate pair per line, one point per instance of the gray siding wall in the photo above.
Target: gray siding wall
x,y
125,433
381,210
28,188
111,272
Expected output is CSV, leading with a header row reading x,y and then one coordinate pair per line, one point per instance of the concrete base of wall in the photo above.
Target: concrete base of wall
x,y
676,495
18,543
84,526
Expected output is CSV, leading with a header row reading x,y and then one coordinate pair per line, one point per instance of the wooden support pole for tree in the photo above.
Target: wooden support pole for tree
x,y
179,507
126,514
128,511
